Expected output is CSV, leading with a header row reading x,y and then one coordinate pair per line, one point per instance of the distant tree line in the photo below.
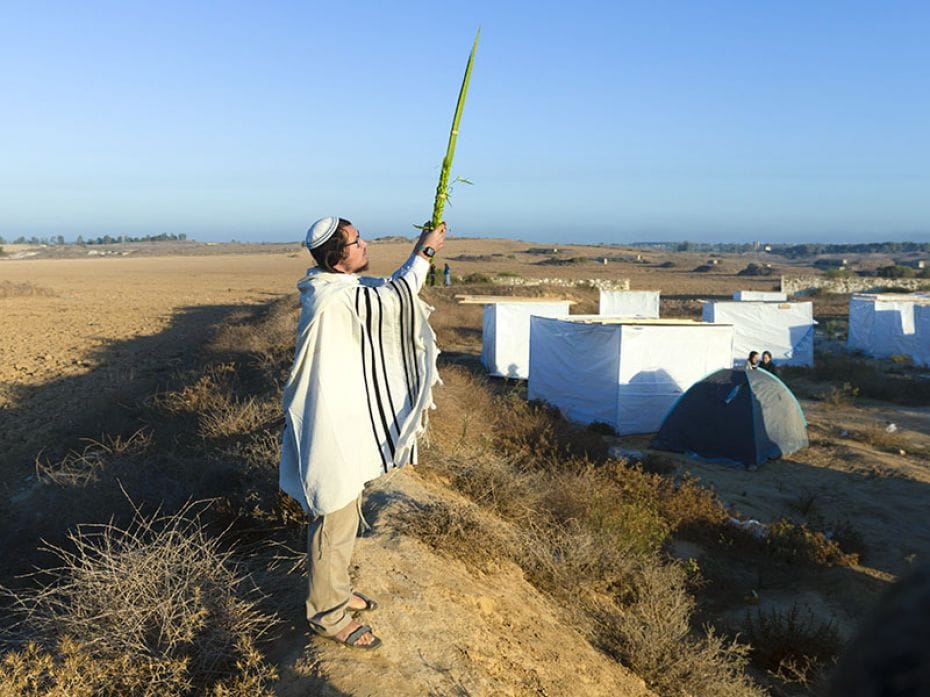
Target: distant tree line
x,y
793,251
58,239
105,239
805,250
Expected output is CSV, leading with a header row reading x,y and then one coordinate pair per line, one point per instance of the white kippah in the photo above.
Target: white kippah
x,y
321,231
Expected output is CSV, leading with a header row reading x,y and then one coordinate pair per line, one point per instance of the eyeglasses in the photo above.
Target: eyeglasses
x,y
357,242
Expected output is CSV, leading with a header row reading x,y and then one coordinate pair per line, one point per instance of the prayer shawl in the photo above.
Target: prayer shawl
x,y
359,388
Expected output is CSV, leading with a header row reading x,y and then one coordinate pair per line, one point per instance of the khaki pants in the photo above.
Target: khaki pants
x,y
330,542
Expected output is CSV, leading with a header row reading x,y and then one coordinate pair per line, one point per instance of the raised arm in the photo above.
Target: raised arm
x,y
416,267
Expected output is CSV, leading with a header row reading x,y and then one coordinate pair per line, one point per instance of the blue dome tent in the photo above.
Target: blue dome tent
x,y
744,416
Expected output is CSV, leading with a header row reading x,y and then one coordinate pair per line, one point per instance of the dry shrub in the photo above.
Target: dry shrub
x,y
220,413
73,670
158,608
792,542
201,394
463,423
850,539
260,450
229,416
571,563
80,468
842,396
538,435
792,647
8,289
455,325
872,378
685,506
494,484
616,515
461,531
652,634
269,338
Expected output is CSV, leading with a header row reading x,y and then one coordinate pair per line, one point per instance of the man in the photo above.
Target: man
x,y
355,402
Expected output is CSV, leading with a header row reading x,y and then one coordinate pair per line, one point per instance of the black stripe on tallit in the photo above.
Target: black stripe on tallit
x,y
374,377
371,412
384,372
403,346
413,343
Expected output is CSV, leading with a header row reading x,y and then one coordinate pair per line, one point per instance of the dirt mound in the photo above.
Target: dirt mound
x,y
449,629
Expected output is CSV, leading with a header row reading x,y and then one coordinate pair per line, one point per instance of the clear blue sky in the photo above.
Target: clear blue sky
x,y
586,121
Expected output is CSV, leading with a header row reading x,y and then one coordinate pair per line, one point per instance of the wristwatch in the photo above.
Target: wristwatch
x,y
428,251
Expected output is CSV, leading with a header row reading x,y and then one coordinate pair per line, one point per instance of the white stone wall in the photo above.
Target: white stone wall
x,y
802,285
599,283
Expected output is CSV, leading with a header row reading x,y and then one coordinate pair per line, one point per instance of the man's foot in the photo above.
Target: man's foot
x,y
360,602
357,636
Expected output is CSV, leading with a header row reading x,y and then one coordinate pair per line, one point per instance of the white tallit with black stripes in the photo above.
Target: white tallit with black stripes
x,y
360,385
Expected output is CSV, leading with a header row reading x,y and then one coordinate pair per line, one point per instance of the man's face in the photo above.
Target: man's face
x,y
356,252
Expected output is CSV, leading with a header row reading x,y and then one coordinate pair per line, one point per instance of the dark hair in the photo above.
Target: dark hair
x,y
331,252
753,353
767,353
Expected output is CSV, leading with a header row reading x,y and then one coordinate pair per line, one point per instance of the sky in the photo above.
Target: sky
x,y
585,121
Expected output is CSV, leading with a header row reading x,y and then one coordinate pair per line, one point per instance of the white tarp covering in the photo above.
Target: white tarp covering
x,y
505,339
885,325
786,330
764,296
625,374
629,303
921,354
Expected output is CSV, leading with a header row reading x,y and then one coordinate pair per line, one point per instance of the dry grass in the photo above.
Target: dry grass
x,y
852,376
81,468
157,608
889,441
8,289
462,530
794,647
589,532
787,542
268,339
844,396
655,638
220,413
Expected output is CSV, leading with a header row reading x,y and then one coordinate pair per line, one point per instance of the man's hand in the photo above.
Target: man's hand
x,y
432,238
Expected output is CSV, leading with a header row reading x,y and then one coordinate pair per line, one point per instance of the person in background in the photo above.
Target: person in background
x,y
767,364
447,275
753,361
431,275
